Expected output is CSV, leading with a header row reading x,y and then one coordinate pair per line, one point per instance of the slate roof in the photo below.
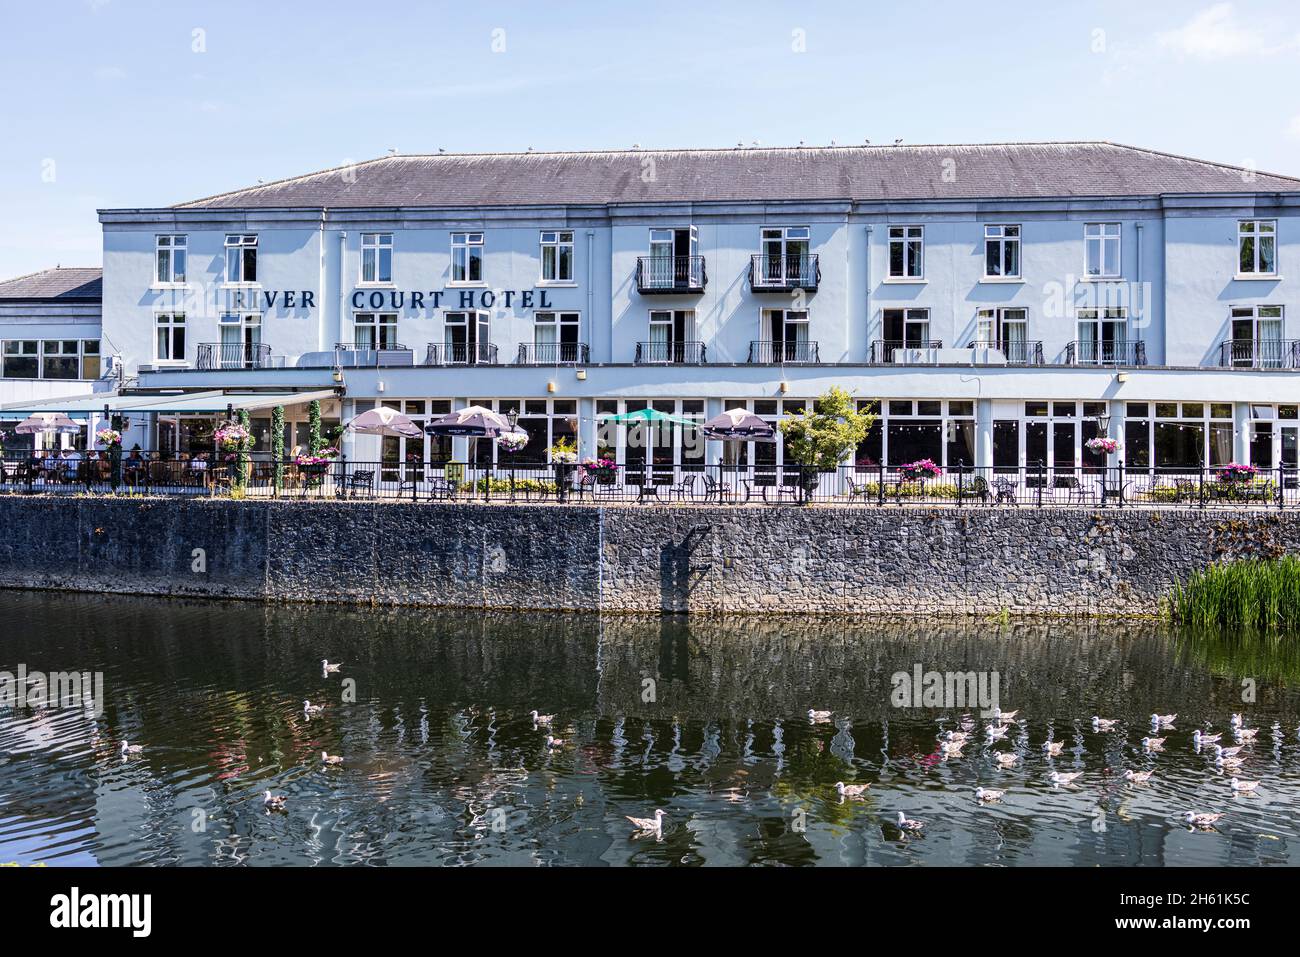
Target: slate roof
x,y
1011,170
65,283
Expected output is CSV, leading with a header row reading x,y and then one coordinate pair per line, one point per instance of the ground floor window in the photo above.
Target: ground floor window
x,y
1177,435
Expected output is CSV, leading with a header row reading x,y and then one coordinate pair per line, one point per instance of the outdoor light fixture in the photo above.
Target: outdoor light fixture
x,y
1121,377
581,375
513,418
338,375
1103,423
785,387
550,387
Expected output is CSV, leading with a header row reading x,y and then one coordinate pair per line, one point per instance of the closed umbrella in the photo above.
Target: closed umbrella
x,y
385,421
738,424
473,421
48,422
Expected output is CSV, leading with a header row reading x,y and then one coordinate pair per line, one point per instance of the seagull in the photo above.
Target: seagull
x,y
554,742
1231,764
333,759
1053,748
543,720
1104,724
1201,820
1057,777
328,669
1005,760
310,709
1153,744
273,802
989,794
995,732
1232,752
131,748
818,716
850,790
649,825
1159,721
906,823
1138,777
956,737
1236,721
1004,716
1199,739
1245,734
951,750
1243,786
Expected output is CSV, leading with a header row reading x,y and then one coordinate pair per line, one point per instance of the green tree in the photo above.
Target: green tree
x,y
821,437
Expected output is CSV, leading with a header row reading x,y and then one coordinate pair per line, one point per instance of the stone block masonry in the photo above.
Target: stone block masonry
x,y
784,560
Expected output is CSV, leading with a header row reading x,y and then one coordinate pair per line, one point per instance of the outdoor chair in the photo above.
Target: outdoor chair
x,y
360,481
441,490
1076,491
783,490
977,486
1004,490
857,489
683,490
715,491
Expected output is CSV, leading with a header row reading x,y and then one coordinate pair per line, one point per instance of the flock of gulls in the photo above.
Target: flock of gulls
x,y
1227,760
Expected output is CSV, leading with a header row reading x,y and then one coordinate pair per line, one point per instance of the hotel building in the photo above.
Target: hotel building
x,y
996,304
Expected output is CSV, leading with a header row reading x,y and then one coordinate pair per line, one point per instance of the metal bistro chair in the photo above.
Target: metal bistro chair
x,y
1004,491
357,483
857,489
683,490
716,491
977,486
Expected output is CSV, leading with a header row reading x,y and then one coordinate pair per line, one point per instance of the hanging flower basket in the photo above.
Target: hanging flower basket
x,y
1102,445
512,441
109,437
1234,472
602,470
920,469
231,438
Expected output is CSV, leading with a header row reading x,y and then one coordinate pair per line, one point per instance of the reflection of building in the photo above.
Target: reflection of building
x,y
994,301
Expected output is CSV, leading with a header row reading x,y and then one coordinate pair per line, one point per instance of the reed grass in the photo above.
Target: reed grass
x,y
1257,594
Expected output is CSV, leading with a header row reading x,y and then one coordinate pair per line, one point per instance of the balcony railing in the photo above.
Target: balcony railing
x,y
362,355
553,353
882,350
461,354
784,273
233,355
678,353
778,351
1023,353
1090,352
665,275
1264,354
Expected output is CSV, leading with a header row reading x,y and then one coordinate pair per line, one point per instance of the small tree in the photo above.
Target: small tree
x,y
315,441
819,438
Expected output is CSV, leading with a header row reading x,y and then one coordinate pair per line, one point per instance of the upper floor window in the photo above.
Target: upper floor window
x,y
170,259
376,257
906,252
50,359
169,340
1101,249
1002,252
1257,247
241,258
373,330
788,242
466,257
557,255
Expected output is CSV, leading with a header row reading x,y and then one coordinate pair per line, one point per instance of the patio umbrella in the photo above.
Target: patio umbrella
x,y
385,421
473,421
647,415
55,422
738,424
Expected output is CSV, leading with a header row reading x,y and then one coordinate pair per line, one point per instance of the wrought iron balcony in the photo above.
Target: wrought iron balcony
x,y
1023,353
461,354
233,355
1090,352
668,275
784,273
676,353
882,350
553,353
1262,354
781,351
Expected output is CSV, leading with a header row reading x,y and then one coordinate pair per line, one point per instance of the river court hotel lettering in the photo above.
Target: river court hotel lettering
x,y
393,300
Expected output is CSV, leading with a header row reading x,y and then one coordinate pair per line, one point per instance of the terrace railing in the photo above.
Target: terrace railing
x,y
781,351
784,273
233,355
1090,352
667,275
882,350
553,353
1020,353
1262,354
676,353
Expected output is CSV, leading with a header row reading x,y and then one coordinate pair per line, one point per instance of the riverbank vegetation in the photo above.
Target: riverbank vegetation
x,y
1257,594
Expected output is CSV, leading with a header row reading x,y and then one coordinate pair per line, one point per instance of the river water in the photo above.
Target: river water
x,y
706,719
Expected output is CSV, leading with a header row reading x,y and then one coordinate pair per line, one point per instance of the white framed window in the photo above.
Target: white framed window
x,y
1101,250
376,257
557,255
1001,252
90,365
61,359
241,336
1103,336
468,338
1007,330
241,258
555,336
169,337
466,257
21,359
170,259
906,252
375,330
1257,247
1256,337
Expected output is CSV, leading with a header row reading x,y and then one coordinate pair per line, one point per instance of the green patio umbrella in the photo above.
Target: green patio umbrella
x,y
647,415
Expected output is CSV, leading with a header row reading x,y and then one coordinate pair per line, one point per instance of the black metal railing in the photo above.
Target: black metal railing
x,y
553,353
1119,353
784,273
233,355
779,351
683,353
256,475
1262,354
882,350
1027,352
670,274
461,354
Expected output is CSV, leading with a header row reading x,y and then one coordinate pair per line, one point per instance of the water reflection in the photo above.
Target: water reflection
x,y
706,719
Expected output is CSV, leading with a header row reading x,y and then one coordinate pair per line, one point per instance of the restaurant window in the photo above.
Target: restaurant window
x,y
906,252
557,255
1257,247
90,366
466,257
169,338
1006,445
22,359
170,259
1177,436
1101,250
60,358
375,330
241,258
376,257
1002,252
870,451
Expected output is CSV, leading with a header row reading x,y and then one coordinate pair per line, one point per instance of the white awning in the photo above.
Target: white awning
x,y
175,403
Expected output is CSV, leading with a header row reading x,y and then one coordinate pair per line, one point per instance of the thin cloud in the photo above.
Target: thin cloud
x,y
1217,34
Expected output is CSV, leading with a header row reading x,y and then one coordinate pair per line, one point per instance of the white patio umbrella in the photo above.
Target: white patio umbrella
x,y
48,422
385,421
474,421
738,424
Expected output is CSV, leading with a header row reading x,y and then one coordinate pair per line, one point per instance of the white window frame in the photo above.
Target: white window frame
x,y
20,353
906,236
462,246
377,323
553,241
1099,237
172,323
373,245
1256,229
169,244
1096,318
997,234
236,244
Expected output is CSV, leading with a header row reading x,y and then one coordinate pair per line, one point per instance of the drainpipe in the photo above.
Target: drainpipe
x,y
1142,310
343,240
866,331
591,293
320,284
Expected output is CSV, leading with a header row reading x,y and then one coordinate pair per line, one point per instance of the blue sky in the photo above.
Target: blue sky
x,y
118,103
